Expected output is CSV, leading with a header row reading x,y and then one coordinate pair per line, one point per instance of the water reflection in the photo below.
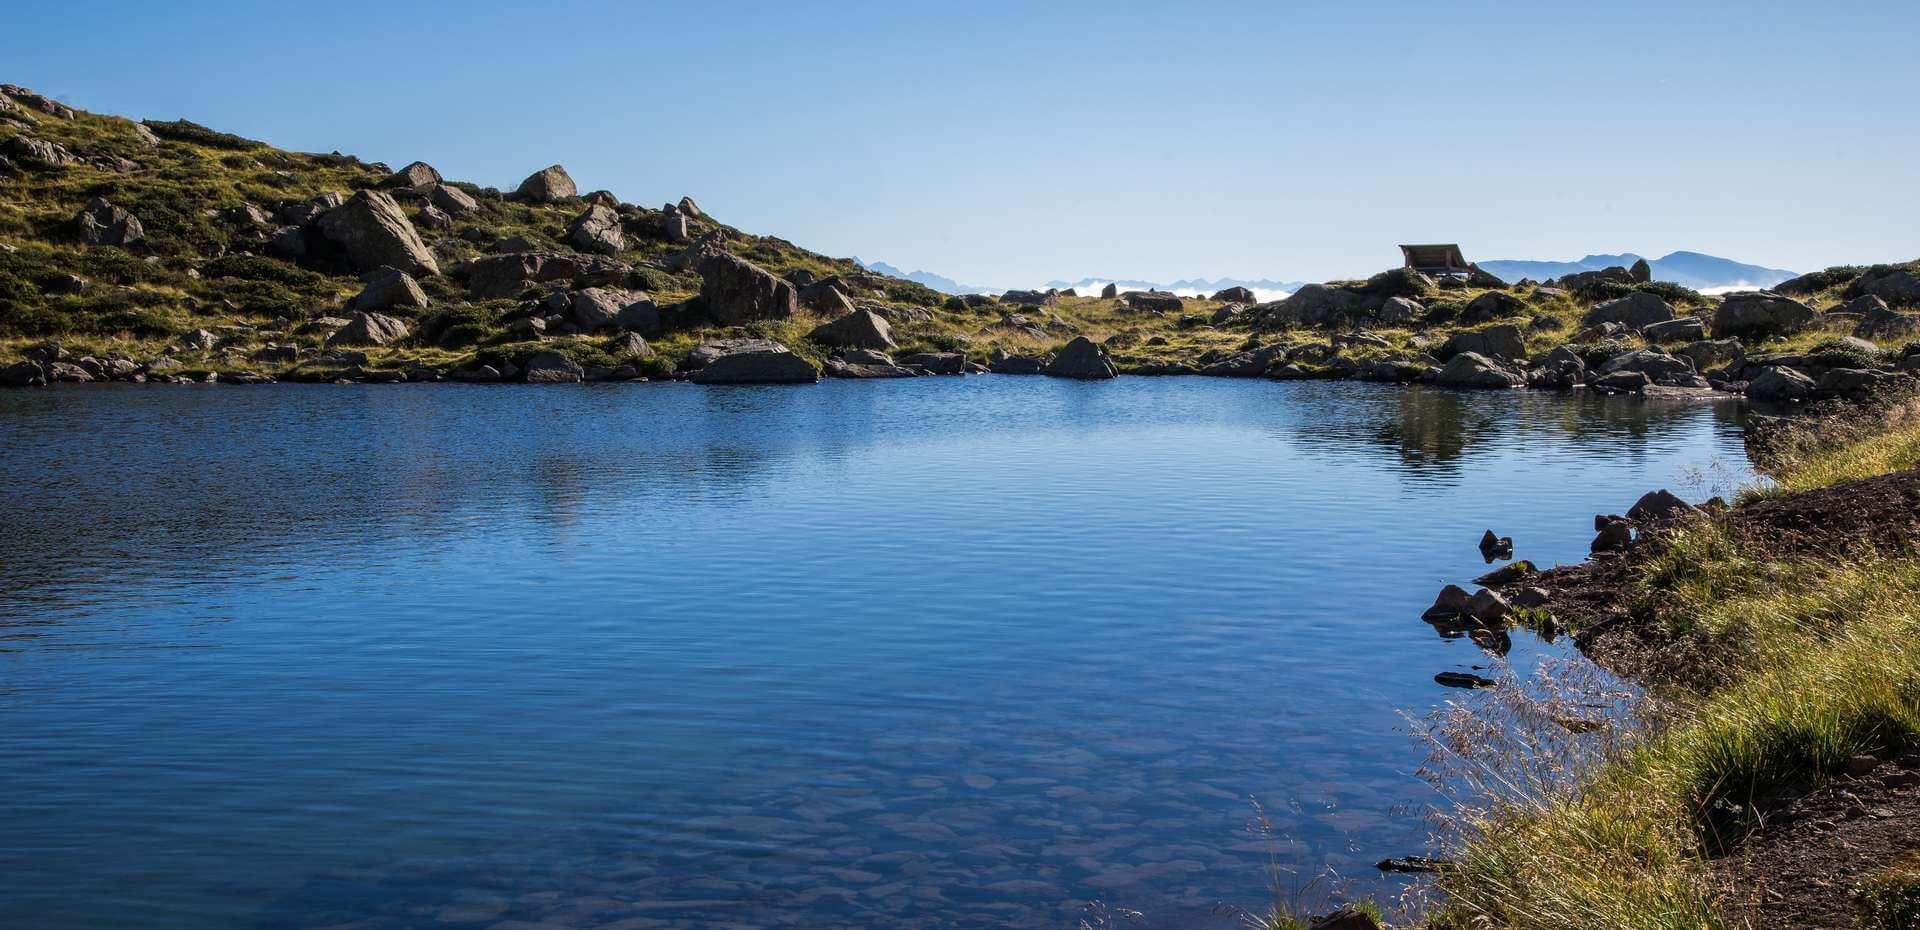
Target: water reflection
x,y
940,652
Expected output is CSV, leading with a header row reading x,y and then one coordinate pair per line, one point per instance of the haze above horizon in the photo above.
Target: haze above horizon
x,y
1001,143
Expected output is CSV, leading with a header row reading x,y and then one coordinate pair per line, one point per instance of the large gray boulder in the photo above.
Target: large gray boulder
x,y
373,231
26,148
737,291
771,364
1780,384
417,176
102,223
1706,353
507,275
1658,366
597,229
1503,341
1472,369
1493,305
369,329
1898,287
22,374
548,185
553,368
1637,310
452,200
861,329
1083,359
1879,321
1313,305
1760,314
596,307
867,363
1153,302
1689,328
389,287
826,298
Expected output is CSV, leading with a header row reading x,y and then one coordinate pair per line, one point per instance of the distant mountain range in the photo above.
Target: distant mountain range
x,y
1690,269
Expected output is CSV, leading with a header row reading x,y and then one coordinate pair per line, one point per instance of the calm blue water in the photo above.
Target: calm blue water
x,y
929,653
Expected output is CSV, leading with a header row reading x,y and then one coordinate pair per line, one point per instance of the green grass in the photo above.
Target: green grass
x,y
1791,668
1890,898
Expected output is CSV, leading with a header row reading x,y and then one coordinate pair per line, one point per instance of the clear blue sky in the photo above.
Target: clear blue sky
x,y
1008,143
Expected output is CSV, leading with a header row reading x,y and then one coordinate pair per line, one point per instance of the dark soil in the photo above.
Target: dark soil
x,y
1801,869
1881,513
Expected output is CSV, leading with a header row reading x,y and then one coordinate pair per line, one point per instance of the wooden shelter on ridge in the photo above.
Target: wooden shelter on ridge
x,y
1436,259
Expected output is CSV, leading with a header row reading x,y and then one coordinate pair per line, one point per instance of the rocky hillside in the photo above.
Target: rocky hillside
x,y
168,251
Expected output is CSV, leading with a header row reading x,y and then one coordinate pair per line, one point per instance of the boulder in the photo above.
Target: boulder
x,y
1314,305
553,368
1492,305
1858,384
597,307
826,298
432,217
1780,384
1451,604
453,200
1637,310
1504,341
1658,366
373,231
937,363
861,329
1017,365
388,287
706,352
1898,287
1398,310
1030,298
102,223
1346,918
1479,278
368,329
1621,382
1641,272
1488,606
866,363
1614,536
26,148
1706,354
1471,369
507,275
1234,295
548,185
689,208
1110,292
737,291
1760,314
22,374
1083,359
1152,302
673,227
776,364
1508,575
1690,328
1658,507
597,229
1879,321
630,345
418,176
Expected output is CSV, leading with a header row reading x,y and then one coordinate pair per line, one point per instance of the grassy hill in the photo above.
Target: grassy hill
x,y
227,275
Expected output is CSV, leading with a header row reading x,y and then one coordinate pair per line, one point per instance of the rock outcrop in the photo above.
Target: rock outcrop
x,y
1082,359
737,291
861,329
371,229
102,223
548,185
764,363
1760,314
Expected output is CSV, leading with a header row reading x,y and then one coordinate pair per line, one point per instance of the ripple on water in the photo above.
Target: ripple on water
x,y
941,652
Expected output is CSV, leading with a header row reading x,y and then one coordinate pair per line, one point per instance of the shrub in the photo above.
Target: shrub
x,y
256,268
181,130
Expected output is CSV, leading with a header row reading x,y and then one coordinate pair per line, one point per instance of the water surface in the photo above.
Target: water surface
x,y
927,653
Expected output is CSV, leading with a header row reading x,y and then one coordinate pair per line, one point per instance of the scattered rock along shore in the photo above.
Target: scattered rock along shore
x,y
166,251
1805,843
